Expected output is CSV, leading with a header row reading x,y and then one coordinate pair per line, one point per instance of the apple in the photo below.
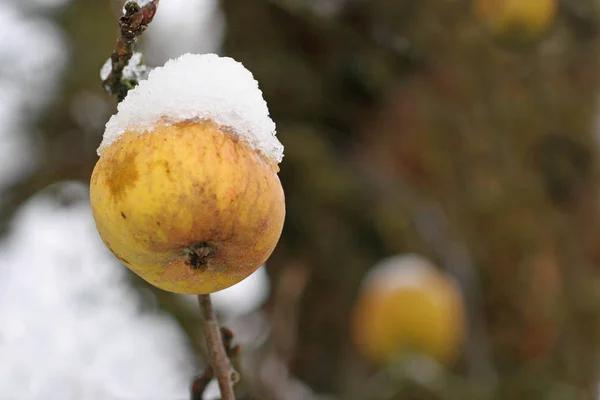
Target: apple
x,y
517,21
187,206
407,306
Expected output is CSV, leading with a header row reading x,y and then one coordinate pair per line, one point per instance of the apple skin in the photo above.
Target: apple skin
x,y
400,316
188,207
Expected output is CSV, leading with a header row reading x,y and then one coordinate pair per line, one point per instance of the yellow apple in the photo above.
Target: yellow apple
x,y
188,206
407,306
517,21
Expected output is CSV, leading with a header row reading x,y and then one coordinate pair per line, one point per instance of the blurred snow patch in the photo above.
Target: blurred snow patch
x,y
404,270
199,87
423,369
212,391
70,327
40,5
183,26
17,150
33,56
142,3
244,297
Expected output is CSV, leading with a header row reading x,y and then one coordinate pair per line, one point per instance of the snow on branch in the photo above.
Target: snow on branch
x,y
132,24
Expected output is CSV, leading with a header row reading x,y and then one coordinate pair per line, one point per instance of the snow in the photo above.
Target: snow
x,y
142,3
399,271
199,87
106,68
27,83
36,6
134,70
70,326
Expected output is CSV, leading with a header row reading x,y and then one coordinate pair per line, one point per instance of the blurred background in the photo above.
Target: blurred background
x,y
442,238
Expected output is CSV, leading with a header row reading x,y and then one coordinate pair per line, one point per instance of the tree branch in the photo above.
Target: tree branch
x,y
201,382
132,24
219,359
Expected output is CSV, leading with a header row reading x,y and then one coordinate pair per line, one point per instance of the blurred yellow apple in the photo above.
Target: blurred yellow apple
x,y
407,306
187,206
517,21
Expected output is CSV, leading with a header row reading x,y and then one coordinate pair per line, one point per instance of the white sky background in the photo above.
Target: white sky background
x,y
70,327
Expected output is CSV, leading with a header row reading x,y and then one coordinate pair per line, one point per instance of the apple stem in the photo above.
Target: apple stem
x,y
216,349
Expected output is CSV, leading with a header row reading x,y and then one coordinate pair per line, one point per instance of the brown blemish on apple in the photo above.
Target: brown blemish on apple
x,y
198,255
122,174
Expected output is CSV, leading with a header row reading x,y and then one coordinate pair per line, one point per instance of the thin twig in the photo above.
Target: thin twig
x,y
201,382
132,24
216,348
